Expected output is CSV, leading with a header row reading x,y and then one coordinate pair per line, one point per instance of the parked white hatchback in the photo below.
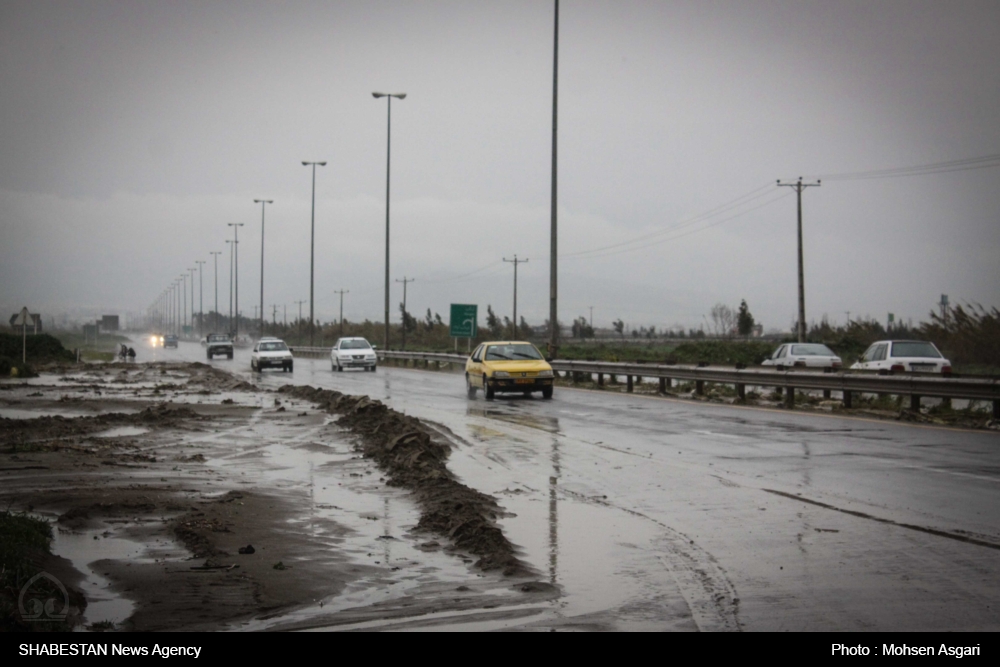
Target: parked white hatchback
x,y
803,355
916,356
353,353
271,352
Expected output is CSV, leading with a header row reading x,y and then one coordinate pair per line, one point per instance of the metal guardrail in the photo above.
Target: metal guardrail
x,y
846,382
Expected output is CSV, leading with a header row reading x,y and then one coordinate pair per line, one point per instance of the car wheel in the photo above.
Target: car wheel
x,y
290,368
333,366
229,355
373,368
489,392
547,392
469,389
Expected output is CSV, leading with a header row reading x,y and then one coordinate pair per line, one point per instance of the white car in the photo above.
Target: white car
x,y
916,356
353,353
803,355
271,352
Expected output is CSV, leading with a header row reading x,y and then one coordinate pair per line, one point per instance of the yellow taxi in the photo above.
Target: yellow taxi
x,y
510,367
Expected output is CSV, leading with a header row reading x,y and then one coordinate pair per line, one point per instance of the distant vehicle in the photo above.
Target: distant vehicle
x,y
170,340
353,353
156,340
508,367
916,356
218,344
270,353
803,355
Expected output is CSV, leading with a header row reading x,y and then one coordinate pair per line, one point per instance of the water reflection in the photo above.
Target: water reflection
x,y
502,413
554,513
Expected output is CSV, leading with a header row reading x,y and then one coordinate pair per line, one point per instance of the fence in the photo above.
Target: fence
x,y
847,383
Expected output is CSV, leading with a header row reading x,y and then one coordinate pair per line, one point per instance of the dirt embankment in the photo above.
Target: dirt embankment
x,y
412,459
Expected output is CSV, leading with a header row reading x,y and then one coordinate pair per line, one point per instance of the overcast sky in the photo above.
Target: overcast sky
x,y
132,132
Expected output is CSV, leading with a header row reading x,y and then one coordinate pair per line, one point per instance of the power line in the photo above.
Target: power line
x,y
742,200
983,162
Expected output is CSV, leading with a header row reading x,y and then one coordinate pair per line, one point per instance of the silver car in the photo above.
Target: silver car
x,y
353,353
803,355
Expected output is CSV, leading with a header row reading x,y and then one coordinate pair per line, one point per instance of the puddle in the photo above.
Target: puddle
x,y
87,549
122,432
15,413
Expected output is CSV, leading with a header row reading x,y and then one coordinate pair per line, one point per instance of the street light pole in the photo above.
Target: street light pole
x,y
263,203
215,254
236,263
553,282
388,153
799,186
201,296
231,246
312,247
184,309
515,262
192,298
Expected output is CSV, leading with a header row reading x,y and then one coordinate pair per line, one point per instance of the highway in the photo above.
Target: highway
x,y
653,513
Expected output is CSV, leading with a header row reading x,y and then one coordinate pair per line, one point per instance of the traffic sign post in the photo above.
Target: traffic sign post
x,y
463,322
23,320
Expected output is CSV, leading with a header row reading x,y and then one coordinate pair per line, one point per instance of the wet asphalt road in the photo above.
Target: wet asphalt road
x,y
663,514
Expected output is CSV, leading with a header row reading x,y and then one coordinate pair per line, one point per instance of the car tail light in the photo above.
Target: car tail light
x,y
800,364
836,365
946,370
897,368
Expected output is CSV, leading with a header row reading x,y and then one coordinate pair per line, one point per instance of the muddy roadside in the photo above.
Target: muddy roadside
x,y
173,498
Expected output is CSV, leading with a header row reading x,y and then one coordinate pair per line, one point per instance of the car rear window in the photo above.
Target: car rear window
x,y
511,352
355,345
812,350
915,349
273,347
218,339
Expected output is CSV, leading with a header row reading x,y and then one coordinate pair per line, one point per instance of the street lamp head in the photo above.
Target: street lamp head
x,y
378,95
400,96
263,201
322,164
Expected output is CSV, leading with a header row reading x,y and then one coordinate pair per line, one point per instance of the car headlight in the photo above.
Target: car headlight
x,y
544,374
501,374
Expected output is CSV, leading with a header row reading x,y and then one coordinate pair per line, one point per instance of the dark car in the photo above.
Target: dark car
x,y
170,340
217,343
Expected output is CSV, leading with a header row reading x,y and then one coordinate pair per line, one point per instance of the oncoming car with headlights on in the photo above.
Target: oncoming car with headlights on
x,y
508,367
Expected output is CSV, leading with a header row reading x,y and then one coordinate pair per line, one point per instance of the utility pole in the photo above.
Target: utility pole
x,y
799,186
515,262
201,296
848,313
184,299
591,317
300,312
553,273
404,281
274,314
342,293
285,305
263,203
312,245
236,244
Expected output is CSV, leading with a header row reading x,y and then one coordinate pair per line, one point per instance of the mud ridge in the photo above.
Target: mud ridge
x,y
404,448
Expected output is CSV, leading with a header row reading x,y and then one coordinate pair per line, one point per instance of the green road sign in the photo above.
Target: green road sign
x,y
463,320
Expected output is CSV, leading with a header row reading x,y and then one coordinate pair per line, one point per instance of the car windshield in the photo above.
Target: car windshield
x,y
354,345
276,346
812,350
915,349
511,352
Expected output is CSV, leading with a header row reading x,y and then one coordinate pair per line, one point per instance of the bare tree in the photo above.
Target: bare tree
x,y
724,320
